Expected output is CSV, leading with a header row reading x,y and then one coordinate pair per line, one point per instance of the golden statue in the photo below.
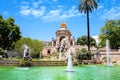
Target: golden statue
x,y
63,25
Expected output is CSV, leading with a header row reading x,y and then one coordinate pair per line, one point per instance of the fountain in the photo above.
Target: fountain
x,y
60,49
56,73
63,41
69,63
108,62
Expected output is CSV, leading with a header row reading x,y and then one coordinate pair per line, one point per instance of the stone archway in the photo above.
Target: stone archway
x,y
61,38
71,43
48,52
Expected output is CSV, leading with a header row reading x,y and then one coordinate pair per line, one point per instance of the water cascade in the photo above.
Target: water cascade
x,y
108,62
60,50
69,63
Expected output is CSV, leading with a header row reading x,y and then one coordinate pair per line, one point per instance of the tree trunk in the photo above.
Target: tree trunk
x,y
88,28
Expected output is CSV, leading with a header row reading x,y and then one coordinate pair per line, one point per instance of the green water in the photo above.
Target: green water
x,y
58,73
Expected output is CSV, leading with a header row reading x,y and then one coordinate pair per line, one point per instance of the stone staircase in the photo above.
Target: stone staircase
x,y
49,63
35,63
9,62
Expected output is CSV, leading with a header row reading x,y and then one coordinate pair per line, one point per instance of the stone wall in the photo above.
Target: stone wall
x,y
114,56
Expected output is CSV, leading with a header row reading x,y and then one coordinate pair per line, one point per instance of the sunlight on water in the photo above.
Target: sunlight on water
x,y
89,72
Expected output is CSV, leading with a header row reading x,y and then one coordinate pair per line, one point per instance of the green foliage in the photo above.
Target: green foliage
x,y
84,41
86,6
75,63
35,46
89,5
9,32
26,63
83,54
110,31
3,53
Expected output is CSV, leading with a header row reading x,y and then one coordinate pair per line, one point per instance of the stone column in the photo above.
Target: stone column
x,y
52,43
73,41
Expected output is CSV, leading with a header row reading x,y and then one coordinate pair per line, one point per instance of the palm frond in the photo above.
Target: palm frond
x,y
91,5
89,8
82,7
95,4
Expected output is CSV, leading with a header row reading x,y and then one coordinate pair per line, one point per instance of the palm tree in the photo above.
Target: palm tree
x,y
86,6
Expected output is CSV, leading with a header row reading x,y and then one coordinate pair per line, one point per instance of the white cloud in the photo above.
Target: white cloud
x,y
100,7
26,11
36,10
52,14
38,13
59,6
60,14
36,4
24,7
113,13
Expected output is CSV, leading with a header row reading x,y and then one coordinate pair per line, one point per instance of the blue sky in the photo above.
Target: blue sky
x,y
39,19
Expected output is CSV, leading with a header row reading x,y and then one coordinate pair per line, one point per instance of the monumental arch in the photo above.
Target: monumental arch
x,y
63,39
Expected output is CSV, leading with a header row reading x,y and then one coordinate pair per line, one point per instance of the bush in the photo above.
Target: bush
x,y
3,53
26,63
75,63
83,54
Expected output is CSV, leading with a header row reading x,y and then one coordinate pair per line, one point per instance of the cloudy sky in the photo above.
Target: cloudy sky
x,y
39,19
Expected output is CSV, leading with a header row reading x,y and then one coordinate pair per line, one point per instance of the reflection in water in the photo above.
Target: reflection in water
x,y
108,73
69,74
58,73
23,68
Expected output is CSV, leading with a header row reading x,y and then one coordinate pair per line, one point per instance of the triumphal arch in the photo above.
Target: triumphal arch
x,y
63,40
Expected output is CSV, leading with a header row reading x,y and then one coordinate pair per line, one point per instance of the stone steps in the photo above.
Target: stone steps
x,y
9,63
35,63
49,63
